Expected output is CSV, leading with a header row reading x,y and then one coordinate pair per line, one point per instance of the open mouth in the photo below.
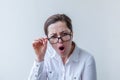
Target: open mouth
x,y
61,48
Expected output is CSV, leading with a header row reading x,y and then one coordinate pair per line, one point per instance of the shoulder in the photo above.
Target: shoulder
x,y
84,55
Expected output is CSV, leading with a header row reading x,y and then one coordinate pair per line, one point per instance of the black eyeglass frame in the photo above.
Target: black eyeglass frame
x,y
61,38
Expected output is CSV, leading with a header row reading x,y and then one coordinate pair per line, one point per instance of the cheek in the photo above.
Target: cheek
x,y
67,44
54,46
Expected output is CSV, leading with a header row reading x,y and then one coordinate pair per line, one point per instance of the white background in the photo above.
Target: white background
x,y
96,25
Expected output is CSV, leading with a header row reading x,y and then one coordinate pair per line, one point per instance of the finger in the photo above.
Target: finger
x,y
45,41
37,43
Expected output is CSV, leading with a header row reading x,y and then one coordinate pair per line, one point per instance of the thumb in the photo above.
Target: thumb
x,y
45,43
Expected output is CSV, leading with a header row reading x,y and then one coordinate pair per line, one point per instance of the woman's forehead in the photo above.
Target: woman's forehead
x,y
58,27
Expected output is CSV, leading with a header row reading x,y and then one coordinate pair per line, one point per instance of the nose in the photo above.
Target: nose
x,y
60,40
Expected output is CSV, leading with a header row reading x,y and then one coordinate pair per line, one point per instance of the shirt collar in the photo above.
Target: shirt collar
x,y
75,54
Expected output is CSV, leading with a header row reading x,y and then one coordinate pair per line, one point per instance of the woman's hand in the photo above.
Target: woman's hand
x,y
40,46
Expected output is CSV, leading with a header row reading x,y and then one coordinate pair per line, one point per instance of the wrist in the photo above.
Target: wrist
x,y
39,59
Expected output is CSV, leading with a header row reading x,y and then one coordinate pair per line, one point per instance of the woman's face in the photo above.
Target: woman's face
x,y
60,29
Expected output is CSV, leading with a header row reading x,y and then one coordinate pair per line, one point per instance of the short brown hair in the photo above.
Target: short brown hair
x,y
55,18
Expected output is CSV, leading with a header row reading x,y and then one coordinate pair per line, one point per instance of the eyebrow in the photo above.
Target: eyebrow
x,y
60,32
64,31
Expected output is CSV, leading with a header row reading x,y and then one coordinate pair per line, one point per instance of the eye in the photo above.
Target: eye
x,y
52,37
64,34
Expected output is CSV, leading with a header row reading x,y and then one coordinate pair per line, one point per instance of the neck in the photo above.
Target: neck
x,y
64,58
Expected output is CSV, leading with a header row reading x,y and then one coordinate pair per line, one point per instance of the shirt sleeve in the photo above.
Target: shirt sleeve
x,y
38,71
89,72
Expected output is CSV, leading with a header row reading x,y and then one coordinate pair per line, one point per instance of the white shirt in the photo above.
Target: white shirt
x,y
79,66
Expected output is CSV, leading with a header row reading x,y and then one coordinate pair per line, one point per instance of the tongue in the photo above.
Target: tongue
x,y
61,48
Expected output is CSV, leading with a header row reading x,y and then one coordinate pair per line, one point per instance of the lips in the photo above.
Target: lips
x,y
61,48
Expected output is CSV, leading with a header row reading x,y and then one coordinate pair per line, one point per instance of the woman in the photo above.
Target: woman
x,y
62,59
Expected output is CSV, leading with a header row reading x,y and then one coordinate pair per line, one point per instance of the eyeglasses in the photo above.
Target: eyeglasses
x,y
64,37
